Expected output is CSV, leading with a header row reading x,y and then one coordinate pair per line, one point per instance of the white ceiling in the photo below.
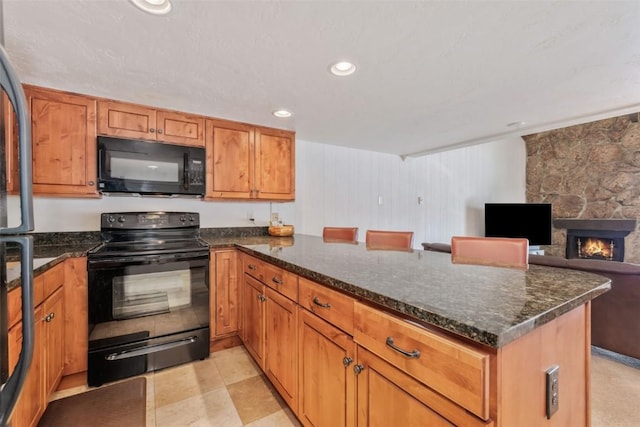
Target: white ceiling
x,y
431,75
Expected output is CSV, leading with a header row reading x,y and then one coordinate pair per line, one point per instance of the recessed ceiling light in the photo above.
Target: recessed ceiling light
x,y
342,68
282,113
155,7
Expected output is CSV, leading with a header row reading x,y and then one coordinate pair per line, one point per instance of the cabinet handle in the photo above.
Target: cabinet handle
x,y
410,354
252,267
91,183
277,281
262,297
160,131
317,302
358,368
152,130
49,317
347,361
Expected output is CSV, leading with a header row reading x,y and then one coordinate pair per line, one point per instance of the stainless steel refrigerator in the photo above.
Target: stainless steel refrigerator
x,y
14,240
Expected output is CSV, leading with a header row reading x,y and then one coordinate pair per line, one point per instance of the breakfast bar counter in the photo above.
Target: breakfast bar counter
x,y
492,306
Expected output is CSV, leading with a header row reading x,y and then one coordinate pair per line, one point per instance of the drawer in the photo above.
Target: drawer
x,y
455,370
14,297
253,267
282,281
333,306
53,279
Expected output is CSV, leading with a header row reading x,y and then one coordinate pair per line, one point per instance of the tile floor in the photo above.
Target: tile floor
x,y
227,389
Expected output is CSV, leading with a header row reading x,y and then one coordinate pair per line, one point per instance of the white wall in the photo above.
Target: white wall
x,y
340,187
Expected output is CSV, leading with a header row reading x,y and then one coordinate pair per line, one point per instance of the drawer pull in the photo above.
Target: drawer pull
x,y
252,267
410,354
262,297
358,368
277,281
317,302
347,361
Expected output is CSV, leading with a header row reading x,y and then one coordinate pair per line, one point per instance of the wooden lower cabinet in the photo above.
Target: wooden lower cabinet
x,y
32,401
47,363
382,370
281,349
225,294
53,318
76,329
253,318
326,358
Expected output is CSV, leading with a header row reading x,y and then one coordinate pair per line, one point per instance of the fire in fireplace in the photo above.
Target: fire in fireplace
x,y
596,238
595,248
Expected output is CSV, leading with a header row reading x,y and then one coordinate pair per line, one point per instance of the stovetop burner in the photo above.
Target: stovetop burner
x,y
149,233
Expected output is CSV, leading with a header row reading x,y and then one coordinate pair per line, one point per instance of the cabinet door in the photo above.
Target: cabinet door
x,y
180,128
281,349
326,355
230,160
126,120
64,143
226,294
275,164
253,318
11,145
32,401
76,329
53,340
386,396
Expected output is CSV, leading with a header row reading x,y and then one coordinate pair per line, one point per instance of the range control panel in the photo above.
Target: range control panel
x,y
149,220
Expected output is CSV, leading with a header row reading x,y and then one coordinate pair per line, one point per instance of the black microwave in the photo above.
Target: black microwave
x,y
149,168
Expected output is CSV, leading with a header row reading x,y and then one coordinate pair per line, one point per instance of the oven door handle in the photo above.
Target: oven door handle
x,y
126,354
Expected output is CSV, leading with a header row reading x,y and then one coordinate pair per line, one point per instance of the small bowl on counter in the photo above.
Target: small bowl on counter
x,y
281,230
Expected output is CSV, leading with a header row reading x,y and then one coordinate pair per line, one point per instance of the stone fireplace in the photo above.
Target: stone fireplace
x,y
601,239
589,172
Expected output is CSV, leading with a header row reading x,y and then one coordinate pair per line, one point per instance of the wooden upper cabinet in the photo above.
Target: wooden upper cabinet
x,y
63,134
140,122
248,162
275,164
230,163
11,145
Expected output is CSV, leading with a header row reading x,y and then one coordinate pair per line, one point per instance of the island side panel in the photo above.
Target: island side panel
x,y
521,373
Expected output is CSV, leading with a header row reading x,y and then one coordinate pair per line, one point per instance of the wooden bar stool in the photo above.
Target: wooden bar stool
x,y
389,240
492,251
340,234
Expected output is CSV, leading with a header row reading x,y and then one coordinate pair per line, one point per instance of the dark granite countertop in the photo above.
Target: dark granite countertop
x,y
490,305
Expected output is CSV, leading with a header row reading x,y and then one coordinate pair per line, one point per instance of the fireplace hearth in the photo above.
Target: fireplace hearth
x,y
601,239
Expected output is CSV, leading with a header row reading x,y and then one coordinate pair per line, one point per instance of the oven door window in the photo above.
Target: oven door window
x,y
150,293
151,299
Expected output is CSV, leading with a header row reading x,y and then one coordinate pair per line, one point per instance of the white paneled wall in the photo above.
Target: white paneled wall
x,y
340,186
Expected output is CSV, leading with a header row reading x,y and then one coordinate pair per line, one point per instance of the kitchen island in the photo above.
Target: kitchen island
x,y
472,343
486,336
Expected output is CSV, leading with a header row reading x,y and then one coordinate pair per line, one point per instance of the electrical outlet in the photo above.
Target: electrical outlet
x,y
420,200
553,388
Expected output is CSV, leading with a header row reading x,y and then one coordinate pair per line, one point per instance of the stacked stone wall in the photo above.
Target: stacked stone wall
x,y
589,171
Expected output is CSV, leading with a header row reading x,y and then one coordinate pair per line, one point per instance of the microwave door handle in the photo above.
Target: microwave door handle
x,y
11,85
185,178
11,390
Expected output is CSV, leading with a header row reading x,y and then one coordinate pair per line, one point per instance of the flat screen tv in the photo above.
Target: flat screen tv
x,y
529,220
